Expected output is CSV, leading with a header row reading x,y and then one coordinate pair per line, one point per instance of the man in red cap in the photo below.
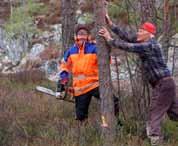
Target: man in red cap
x,y
163,98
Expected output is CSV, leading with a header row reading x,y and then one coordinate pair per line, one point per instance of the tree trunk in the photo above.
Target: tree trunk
x,y
68,8
166,29
107,105
140,86
148,10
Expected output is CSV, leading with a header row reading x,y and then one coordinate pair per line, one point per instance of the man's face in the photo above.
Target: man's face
x,y
142,35
82,36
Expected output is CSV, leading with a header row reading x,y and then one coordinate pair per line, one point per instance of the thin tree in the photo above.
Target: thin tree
x,y
166,29
68,20
107,109
141,87
148,10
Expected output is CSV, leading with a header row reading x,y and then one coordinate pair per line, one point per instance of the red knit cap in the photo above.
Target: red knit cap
x,y
150,27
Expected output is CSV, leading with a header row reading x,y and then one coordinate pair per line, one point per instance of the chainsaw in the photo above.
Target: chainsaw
x,y
58,95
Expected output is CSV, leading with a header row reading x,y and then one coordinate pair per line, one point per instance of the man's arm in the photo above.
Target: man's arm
x,y
125,33
130,47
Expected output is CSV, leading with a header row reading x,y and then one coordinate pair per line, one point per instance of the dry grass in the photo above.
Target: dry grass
x,y
28,118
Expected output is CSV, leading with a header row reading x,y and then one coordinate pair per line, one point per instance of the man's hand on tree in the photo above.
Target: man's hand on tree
x,y
108,20
105,33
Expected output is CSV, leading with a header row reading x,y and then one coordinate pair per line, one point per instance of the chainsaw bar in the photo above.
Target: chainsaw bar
x,y
58,95
47,91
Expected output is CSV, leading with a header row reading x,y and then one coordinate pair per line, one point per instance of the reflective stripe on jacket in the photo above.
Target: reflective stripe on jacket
x,y
82,63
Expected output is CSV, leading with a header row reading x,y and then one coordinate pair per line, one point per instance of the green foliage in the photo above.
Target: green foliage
x,y
4,136
35,8
86,18
122,11
21,21
114,10
170,129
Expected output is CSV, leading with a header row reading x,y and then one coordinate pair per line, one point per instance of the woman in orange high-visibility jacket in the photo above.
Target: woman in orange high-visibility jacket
x,y
81,61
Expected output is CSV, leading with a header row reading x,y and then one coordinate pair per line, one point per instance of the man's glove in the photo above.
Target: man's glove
x,y
60,87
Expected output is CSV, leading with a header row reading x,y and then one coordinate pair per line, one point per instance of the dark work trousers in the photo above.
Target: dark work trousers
x,y
163,101
82,103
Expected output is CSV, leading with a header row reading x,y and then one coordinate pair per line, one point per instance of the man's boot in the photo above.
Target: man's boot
x,y
156,141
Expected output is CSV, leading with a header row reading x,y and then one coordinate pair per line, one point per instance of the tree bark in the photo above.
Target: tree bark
x,y
107,105
139,83
166,29
148,10
68,13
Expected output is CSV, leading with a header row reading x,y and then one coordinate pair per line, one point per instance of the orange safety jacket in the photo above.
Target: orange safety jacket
x,y
82,64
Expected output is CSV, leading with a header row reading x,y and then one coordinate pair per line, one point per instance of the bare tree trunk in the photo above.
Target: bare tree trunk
x,y
148,10
148,13
68,8
107,105
166,29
